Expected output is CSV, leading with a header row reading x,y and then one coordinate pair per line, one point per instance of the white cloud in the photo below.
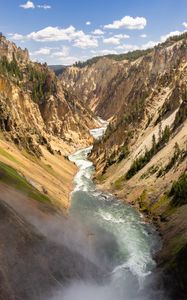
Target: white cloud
x,y
64,52
53,34
69,60
56,34
128,22
122,36
116,39
143,36
44,6
173,33
16,36
85,41
88,23
106,52
128,47
149,44
98,32
28,5
112,41
42,51
184,24
103,52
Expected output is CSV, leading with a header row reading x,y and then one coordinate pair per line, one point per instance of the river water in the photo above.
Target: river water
x,y
119,241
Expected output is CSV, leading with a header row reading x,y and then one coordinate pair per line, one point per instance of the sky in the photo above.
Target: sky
x,y
65,31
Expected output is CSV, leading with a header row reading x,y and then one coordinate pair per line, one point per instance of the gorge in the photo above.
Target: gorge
x,y
94,244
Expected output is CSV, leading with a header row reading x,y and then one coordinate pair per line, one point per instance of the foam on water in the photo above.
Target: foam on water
x,y
136,241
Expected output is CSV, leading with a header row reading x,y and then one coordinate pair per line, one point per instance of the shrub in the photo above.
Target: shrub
x,y
143,160
178,191
10,68
11,177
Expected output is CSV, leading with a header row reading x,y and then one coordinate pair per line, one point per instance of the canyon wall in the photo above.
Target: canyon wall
x,y
142,157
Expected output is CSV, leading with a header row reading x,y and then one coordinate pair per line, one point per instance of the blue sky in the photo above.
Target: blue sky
x,y
65,31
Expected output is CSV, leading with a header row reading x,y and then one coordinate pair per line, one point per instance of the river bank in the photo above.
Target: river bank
x,y
170,224
120,240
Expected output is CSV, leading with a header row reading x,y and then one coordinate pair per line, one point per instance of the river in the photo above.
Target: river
x,y
120,242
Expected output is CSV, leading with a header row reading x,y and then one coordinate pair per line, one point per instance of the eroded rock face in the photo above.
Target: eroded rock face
x,y
10,51
34,106
131,94
142,99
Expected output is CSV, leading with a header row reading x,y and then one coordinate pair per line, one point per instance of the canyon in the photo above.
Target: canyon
x,y
142,156
140,159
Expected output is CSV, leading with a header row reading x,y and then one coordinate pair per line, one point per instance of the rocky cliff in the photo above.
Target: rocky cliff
x,y
142,157
34,106
11,51
40,123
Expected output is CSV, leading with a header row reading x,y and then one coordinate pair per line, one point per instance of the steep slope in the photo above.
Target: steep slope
x,y
34,103
40,123
142,157
35,261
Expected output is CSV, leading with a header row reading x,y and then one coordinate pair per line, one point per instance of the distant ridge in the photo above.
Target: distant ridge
x,y
58,69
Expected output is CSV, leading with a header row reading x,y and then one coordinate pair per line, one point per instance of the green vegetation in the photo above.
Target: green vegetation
x,y
177,38
10,68
11,177
170,105
178,191
124,152
144,202
58,69
42,83
181,115
178,156
118,57
118,183
143,160
162,202
152,170
8,155
174,158
133,55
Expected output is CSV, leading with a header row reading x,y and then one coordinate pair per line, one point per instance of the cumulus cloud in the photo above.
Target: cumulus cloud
x,y
42,51
128,47
112,41
16,36
149,44
98,32
44,6
172,33
28,5
56,34
85,41
69,60
128,22
184,24
52,34
31,5
143,36
64,52
116,39
104,52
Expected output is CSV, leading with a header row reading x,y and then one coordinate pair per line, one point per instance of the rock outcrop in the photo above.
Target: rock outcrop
x,y
35,107
142,157
11,51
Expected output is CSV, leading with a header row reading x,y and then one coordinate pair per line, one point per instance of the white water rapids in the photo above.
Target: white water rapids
x,y
125,243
